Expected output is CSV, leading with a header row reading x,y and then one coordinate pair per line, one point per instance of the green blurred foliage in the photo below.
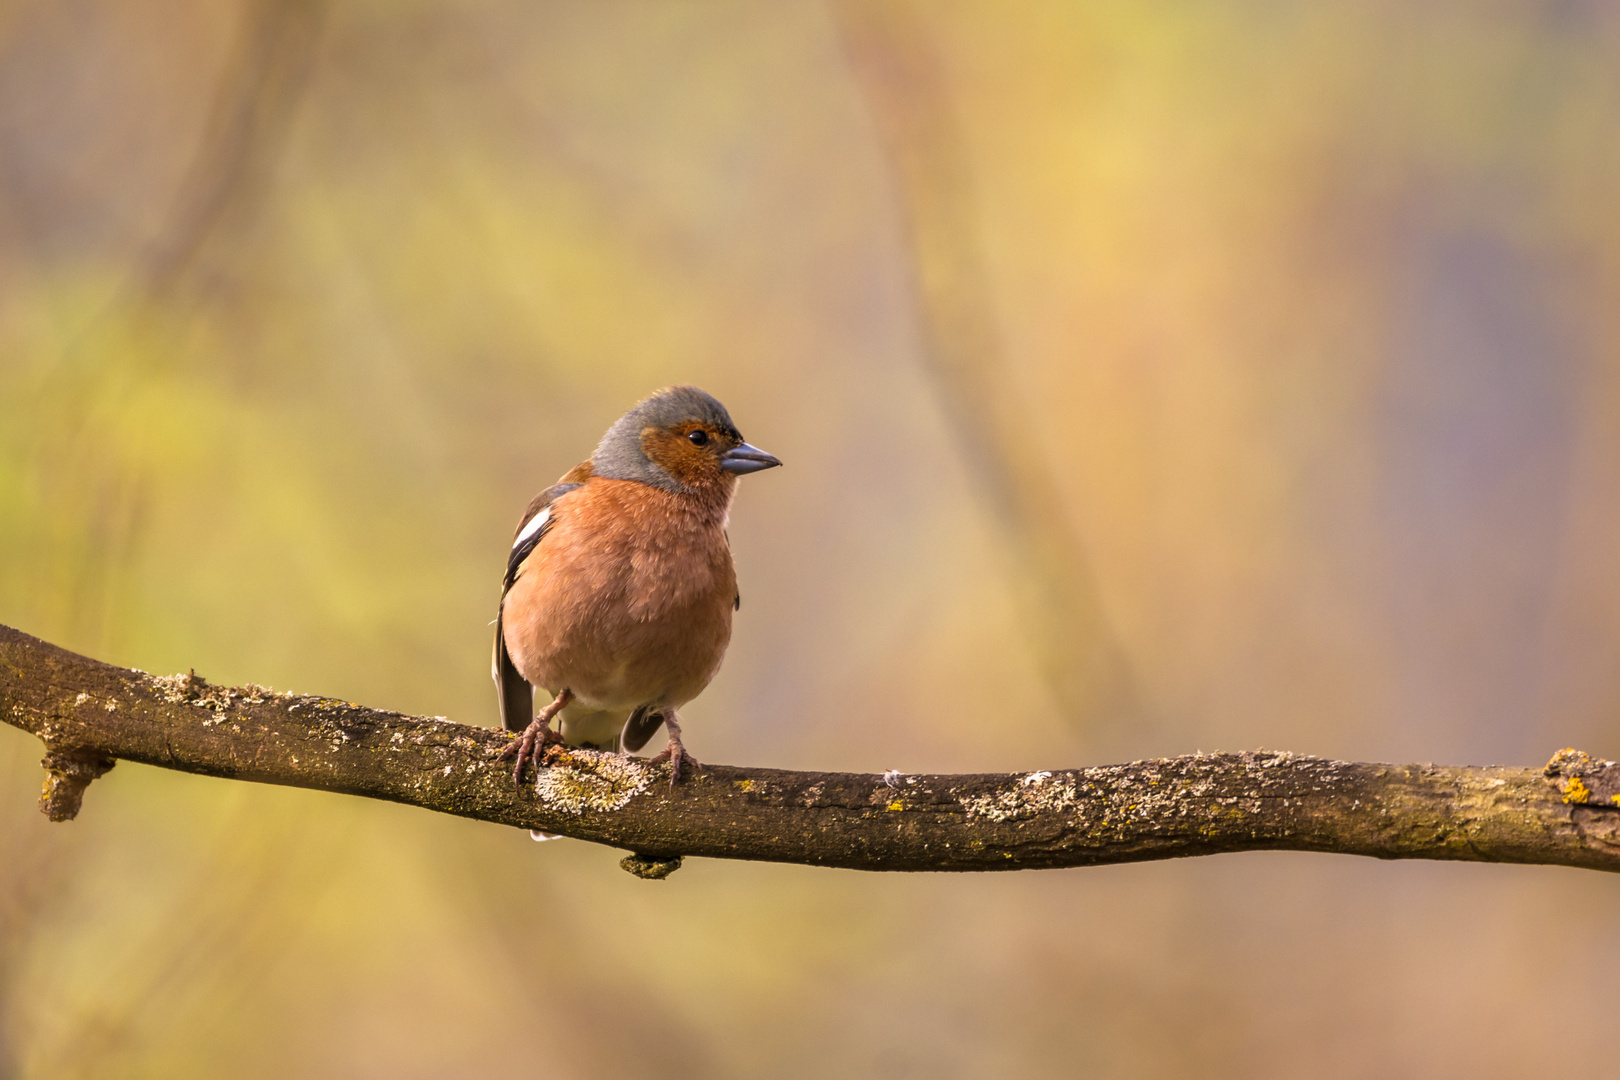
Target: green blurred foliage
x,y
1311,303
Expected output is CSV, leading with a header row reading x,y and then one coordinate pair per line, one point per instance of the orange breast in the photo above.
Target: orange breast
x,y
627,600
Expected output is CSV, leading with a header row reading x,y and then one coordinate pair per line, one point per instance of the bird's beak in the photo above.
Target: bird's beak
x,y
746,459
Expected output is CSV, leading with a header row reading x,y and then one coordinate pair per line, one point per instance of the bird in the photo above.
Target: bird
x,y
620,589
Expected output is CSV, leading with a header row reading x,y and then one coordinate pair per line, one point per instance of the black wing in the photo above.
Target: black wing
x,y
511,688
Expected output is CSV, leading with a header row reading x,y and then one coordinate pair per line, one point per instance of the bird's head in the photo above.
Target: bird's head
x,y
679,439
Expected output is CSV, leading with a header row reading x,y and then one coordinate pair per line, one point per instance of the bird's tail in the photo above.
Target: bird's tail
x,y
642,726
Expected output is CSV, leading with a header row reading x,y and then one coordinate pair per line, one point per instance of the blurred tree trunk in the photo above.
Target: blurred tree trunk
x,y
1069,632
90,714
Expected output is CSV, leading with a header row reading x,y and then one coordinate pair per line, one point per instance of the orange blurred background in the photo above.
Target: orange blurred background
x,y
1269,350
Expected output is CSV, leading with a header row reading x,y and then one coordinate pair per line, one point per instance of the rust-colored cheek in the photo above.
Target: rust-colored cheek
x,y
692,465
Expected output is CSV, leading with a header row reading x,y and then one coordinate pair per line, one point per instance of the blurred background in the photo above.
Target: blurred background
x,y
1151,378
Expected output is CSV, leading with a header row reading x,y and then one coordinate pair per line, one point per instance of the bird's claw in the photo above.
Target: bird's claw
x,y
529,746
678,758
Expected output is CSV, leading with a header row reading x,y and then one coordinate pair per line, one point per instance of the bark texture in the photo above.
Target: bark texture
x,y
90,714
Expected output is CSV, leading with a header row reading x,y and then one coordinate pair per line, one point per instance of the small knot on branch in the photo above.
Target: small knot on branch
x,y
649,866
67,774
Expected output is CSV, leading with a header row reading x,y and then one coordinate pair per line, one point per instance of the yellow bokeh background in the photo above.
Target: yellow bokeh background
x,y
1310,308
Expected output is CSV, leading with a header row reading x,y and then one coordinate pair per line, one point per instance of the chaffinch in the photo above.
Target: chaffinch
x,y
619,590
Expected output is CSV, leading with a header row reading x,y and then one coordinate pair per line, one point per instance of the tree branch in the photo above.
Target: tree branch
x,y
90,714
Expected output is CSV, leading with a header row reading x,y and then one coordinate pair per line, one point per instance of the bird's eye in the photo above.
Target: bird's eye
x,y
699,437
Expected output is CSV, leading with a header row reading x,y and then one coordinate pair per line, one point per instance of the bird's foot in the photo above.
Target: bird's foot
x,y
529,746
678,760
675,753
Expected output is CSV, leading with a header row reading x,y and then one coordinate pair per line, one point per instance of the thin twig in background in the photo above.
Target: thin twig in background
x,y
252,113
901,77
